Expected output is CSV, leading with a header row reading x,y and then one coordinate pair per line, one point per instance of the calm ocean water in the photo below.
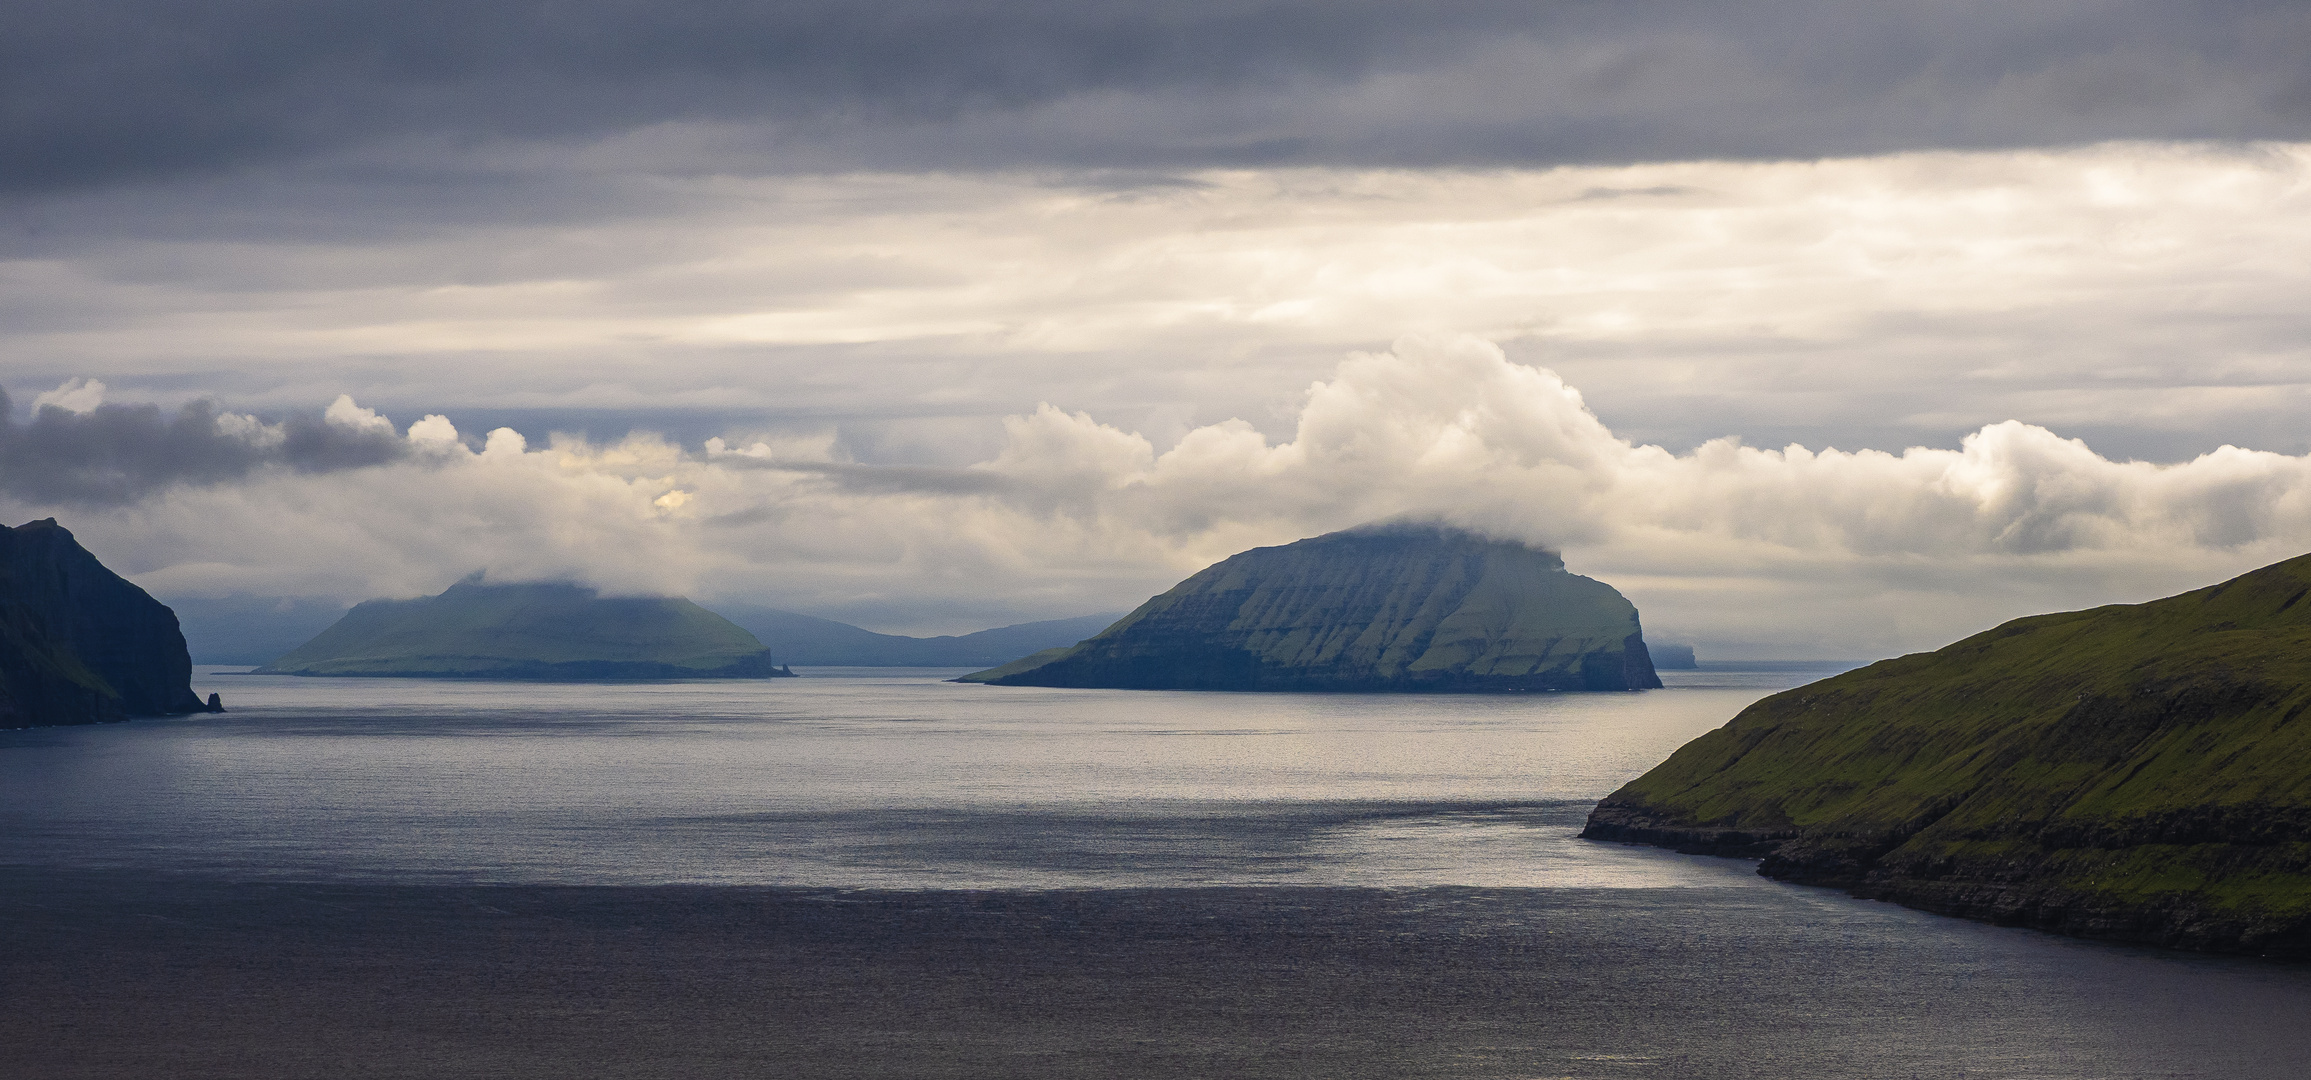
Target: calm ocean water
x,y
1167,817
859,778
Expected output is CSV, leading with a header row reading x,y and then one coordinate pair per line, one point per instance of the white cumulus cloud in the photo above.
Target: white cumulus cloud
x,y
1788,550
74,395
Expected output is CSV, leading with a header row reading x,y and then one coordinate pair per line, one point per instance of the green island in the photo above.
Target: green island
x,y
546,631
2136,772
1390,608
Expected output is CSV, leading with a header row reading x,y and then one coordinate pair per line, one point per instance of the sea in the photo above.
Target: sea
x,y
877,872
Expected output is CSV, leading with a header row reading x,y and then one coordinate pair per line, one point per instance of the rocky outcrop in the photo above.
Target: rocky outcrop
x,y
79,644
1392,608
2139,772
547,632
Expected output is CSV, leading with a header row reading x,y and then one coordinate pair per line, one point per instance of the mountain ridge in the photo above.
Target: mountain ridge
x,y
813,641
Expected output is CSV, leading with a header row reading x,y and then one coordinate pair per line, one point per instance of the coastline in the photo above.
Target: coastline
x,y
2027,889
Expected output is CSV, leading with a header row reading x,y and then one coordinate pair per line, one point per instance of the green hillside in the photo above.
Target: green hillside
x,y
2135,771
531,631
1398,608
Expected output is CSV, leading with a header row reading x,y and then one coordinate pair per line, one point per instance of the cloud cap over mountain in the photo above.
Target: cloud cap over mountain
x,y
1806,551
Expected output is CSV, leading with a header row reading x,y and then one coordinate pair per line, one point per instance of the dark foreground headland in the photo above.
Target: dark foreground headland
x,y
2138,772
1419,608
550,631
78,643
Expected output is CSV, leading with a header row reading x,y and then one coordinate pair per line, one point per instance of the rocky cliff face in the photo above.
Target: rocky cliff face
x,y
1401,608
78,644
548,631
2140,772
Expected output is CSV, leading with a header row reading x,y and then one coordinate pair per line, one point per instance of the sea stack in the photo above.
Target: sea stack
x,y
78,643
551,631
2139,772
1407,608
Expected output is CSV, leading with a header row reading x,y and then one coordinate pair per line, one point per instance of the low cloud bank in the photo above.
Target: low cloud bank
x,y
1792,551
78,451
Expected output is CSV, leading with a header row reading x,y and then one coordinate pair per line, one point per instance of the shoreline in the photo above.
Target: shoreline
x,y
2020,896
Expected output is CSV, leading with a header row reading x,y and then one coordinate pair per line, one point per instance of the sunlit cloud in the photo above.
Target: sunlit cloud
x,y
1791,550
2143,294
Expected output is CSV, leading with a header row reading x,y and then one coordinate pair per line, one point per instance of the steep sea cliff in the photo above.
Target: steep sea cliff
x,y
79,644
1396,608
2139,772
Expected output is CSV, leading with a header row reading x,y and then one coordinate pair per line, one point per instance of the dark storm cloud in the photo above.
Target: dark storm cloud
x,y
107,90
140,88
118,453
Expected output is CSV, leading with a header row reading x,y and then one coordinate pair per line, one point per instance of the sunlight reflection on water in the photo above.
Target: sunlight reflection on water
x,y
861,778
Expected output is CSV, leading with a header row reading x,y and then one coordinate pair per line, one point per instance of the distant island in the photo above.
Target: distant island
x,y
1381,608
257,629
2139,772
78,643
809,640
543,631
1672,657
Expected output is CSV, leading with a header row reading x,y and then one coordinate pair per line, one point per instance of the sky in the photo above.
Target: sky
x,y
1818,329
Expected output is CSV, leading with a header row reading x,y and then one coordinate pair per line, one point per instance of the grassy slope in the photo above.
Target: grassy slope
x,y
2126,758
478,628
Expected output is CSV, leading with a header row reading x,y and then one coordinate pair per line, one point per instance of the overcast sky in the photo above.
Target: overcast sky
x,y
1817,328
